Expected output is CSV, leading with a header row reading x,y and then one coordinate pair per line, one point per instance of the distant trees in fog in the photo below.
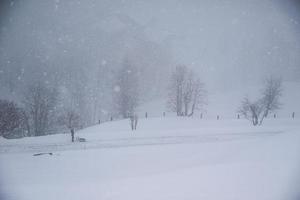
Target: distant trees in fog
x,y
271,95
256,111
83,71
127,89
39,102
70,119
186,91
39,113
11,118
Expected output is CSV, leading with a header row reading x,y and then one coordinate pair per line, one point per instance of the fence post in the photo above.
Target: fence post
x,y
293,115
201,116
164,114
274,116
238,116
146,115
111,118
218,117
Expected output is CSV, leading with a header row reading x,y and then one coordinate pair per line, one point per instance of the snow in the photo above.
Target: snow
x,y
166,158
225,103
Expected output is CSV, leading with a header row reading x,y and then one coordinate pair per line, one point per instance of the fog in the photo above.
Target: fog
x,y
149,99
77,46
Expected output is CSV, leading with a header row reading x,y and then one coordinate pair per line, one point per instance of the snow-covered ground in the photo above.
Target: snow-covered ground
x,y
166,158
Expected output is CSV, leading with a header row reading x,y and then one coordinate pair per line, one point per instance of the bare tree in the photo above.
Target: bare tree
x,y
71,120
258,110
251,110
270,96
127,92
186,92
133,121
175,96
40,102
10,118
198,96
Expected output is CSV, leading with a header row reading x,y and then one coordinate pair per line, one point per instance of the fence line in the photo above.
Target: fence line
x,y
147,115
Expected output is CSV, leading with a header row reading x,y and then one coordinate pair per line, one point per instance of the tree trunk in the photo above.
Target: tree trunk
x,y
186,107
255,120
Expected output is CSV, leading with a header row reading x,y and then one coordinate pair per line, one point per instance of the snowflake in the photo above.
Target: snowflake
x,y
117,88
103,62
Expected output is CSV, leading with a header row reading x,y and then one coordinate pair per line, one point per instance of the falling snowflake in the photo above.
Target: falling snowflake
x,y
117,88
103,62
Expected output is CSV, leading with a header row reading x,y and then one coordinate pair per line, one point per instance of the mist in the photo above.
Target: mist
x,y
78,46
217,38
149,99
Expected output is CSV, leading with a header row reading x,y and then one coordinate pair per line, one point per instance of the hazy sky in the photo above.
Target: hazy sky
x,y
247,39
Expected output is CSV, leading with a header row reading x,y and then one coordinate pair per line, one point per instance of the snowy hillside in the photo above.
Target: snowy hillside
x,y
166,158
150,100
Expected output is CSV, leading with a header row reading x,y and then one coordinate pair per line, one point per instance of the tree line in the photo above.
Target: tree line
x,y
40,110
43,108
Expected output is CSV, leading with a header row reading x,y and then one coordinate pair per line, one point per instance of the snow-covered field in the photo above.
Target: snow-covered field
x,y
166,158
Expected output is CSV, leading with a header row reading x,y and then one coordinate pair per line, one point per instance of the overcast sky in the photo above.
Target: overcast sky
x,y
225,41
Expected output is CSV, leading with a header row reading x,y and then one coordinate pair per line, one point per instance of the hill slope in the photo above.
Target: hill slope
x,y
208,159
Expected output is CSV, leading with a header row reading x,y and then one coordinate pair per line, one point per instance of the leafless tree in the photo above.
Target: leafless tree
x,y
251,110
270,96
199,96
258,110
133,121
10,117
40,102
127,91
70,119
188,89
175,96
186,92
